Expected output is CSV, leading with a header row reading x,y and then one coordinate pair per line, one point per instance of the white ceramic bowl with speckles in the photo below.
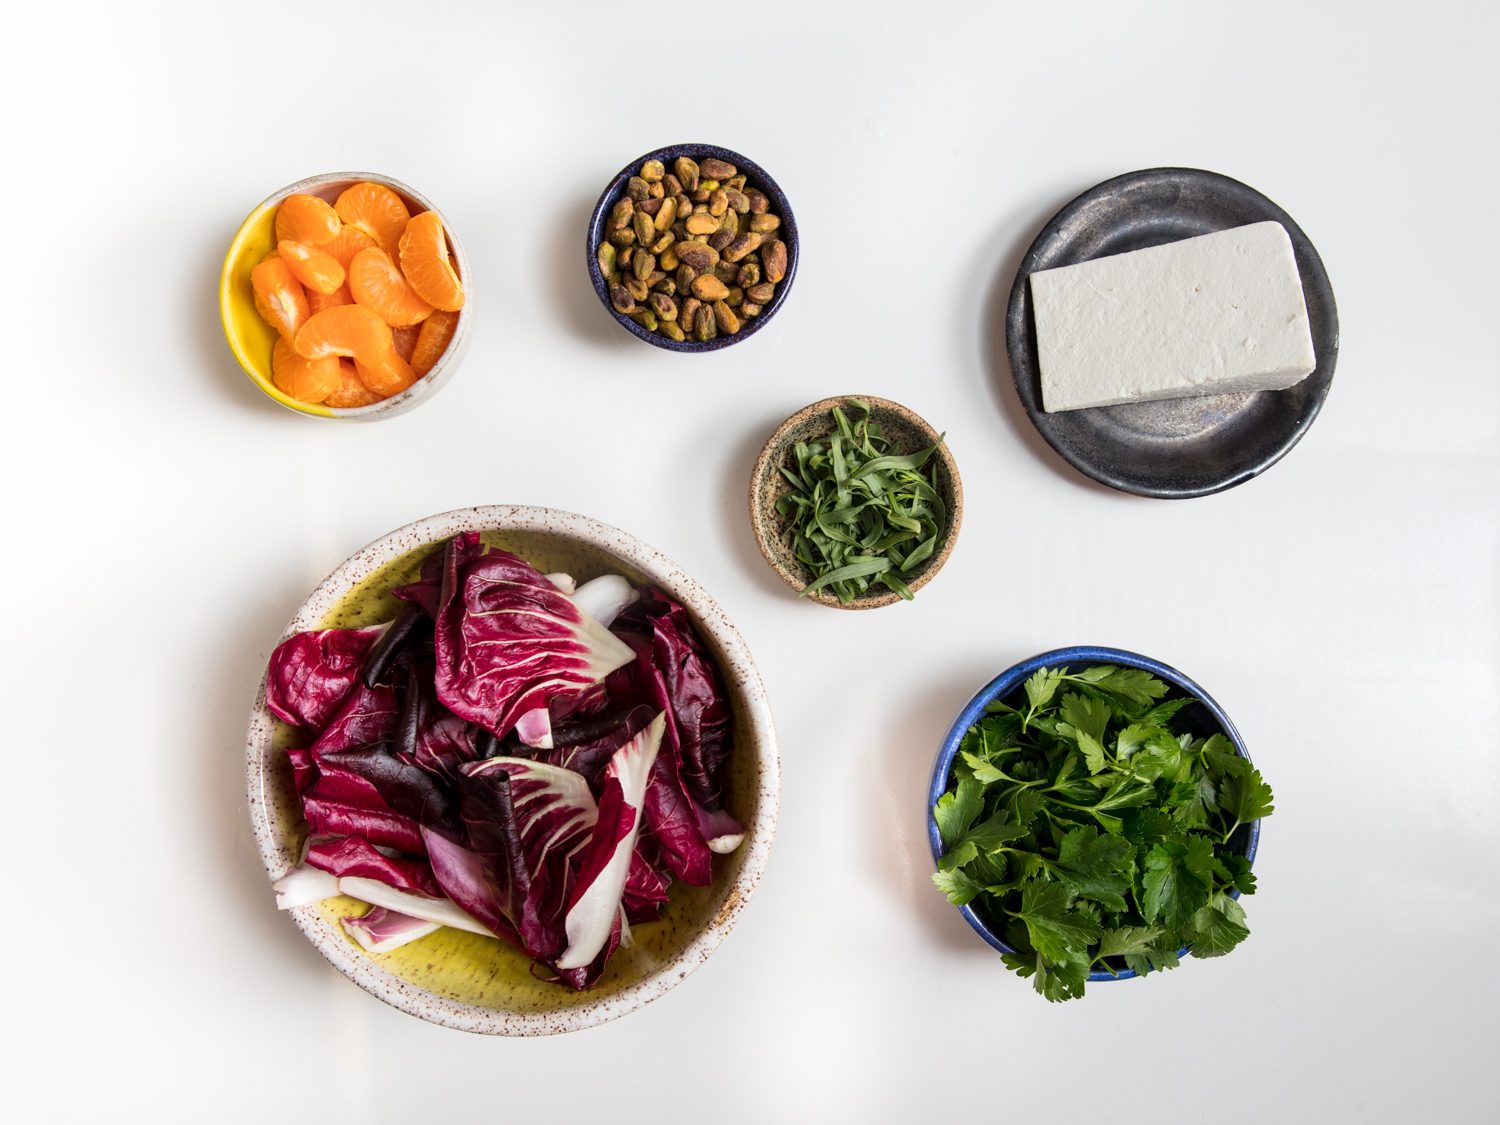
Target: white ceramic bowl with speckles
x,y
478,984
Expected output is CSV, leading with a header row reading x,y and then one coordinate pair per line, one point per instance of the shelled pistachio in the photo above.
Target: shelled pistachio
x,y
691,250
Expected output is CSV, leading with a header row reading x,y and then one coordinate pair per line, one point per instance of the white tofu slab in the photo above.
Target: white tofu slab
x,y
1219,313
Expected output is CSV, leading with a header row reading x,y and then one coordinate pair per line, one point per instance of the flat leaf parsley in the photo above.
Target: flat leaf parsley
x,y
1091,833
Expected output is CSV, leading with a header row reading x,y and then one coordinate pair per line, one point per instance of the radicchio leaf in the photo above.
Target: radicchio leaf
x,y
381,930
302,885
366,717
440,910
392,642
594,910
645,891
586,745
352,856
440,742
674,671
507,641
310,674
604,598
673,820
465,879
529,820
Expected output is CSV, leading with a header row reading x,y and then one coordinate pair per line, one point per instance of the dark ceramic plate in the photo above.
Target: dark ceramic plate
x,y
1177,447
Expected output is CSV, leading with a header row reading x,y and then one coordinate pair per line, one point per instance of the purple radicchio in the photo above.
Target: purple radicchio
x,y
508,642
380,930
353,856
499,761
310,674
604,866
557,862
674,672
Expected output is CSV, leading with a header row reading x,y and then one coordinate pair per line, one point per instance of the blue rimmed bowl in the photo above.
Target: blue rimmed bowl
x,y
1202,718
757,178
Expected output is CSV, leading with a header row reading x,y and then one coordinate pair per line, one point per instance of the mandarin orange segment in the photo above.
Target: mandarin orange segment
x,y
376,211
351,391
307,380
311,266
306,218
351,330
317,302
424,261
433,340
279,297
348,243
387,376
406,339
377,284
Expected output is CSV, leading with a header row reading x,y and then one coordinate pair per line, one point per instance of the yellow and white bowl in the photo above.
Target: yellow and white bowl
x,y
251,338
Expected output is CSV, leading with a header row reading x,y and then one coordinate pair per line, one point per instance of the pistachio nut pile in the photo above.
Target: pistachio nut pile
x,y
692,253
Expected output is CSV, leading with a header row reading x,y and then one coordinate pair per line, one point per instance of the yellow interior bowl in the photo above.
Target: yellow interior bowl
x,y
251,339
480,984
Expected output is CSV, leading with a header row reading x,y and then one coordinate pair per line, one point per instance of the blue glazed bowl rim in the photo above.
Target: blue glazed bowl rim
x,y
756,177
1012,679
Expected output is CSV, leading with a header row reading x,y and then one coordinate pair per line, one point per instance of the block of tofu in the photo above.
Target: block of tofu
x,y
1216,314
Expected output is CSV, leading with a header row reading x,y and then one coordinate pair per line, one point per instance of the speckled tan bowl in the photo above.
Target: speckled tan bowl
x,y
478,984
251,338
906,430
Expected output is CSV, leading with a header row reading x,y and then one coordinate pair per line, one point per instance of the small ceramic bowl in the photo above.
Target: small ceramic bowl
x,y
759,179
908,431
476,983
251,338
1203,718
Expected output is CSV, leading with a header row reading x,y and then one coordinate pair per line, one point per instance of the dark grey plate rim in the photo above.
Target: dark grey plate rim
x,y
1057,431
757,177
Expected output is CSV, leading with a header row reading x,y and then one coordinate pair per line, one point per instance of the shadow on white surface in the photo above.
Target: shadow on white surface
x,y
216,752
1014,237
568,279
905,768
734,512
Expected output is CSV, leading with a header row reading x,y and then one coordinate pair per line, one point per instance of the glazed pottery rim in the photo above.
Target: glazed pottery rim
x,y
655,567
757,178
761,474
423,387
1011,680
1021,352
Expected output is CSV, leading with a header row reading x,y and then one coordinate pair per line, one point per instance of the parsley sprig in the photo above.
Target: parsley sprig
x,y
860,514
1091,834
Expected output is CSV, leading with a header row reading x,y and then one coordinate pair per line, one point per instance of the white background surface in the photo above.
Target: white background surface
x,y
165,520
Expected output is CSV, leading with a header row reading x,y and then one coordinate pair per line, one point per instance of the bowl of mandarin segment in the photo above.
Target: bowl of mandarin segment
x,y
1094,815
344,296
856,502
692,248
512,771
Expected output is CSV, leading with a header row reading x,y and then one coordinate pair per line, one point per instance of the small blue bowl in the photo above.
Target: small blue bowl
x,y
1206,718
756,177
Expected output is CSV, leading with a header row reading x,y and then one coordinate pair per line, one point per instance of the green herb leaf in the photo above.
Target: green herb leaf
x,y
1217,928
1246,798
956,811
958,886
1134,684
1041,685
1057,932
1173,890
1127,940
1095,866
1056,982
